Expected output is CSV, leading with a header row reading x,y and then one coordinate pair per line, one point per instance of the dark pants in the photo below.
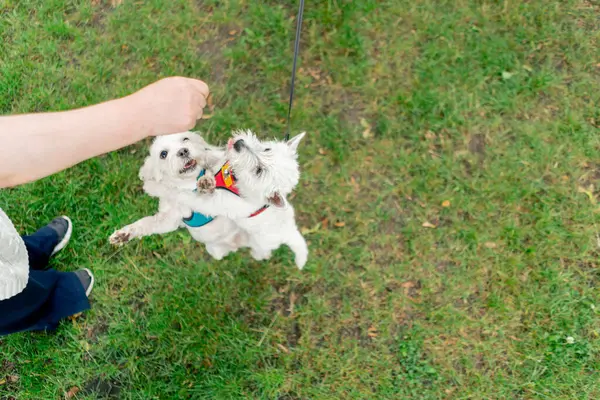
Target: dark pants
x,y
49,295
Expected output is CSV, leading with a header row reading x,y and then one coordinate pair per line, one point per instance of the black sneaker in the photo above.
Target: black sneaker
x,y
87,280
63,227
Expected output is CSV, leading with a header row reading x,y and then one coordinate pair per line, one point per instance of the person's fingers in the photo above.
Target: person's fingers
x,y
201,101
200,87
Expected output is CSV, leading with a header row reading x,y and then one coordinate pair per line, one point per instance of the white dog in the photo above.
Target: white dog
x,y
251,188
178,164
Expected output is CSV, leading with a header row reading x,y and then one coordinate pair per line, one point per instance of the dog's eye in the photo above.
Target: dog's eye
x,y
163,154
259,171
185,139
268,149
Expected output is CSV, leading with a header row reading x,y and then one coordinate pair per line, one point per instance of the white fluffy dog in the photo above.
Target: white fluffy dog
x,y
173,167
252,188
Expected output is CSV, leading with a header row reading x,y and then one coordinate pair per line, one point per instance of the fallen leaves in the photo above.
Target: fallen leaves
x,y
321,225
446,203
307,231
411,288
372,332
283,348
9,379
507,75
589,191
427,224
72,392
293,298
490,245
408,284
367,134
354,184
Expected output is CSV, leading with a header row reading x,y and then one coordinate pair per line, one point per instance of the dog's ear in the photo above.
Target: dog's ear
x,y
149,171
295,141
277,200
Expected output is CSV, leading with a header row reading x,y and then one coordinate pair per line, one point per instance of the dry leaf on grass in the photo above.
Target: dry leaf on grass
x,y
293,298
408,284
307,231
372,332
589,192
283,348
340,224
72,392
355,185
367,132
428,225
490,245
446,203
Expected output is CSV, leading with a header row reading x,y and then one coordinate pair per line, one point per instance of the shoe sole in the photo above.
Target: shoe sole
x,y
66,238
92,280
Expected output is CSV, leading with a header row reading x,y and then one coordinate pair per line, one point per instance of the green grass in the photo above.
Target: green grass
x,y
491,106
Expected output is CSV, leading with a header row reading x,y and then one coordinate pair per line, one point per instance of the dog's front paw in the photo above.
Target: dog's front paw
x,y
119,237
206,184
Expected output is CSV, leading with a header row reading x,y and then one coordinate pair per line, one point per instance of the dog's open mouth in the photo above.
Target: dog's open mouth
x,y
189,166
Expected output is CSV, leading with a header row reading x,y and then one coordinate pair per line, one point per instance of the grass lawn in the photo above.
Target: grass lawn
x,y
449,196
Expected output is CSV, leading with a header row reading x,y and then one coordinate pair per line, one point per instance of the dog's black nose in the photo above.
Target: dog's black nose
x,y
238,145
183,152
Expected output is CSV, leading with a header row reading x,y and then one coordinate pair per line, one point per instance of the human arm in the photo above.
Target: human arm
x,y
33,146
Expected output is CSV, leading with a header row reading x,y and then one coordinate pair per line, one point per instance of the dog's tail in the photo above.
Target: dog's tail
x,y
298,245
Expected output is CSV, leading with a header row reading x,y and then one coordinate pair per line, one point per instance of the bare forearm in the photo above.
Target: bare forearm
x,y
37,145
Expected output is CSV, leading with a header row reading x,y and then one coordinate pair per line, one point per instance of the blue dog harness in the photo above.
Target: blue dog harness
x,y
196,220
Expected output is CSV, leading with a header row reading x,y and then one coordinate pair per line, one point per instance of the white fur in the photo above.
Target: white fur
x,y
266,172
166,179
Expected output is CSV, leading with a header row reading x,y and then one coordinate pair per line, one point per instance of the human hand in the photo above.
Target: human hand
x,y
170,105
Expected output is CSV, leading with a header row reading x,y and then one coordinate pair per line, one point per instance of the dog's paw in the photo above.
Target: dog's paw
x,y
206,184
260,254
119,238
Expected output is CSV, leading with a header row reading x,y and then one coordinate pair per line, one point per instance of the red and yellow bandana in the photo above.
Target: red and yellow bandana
x,y
226,180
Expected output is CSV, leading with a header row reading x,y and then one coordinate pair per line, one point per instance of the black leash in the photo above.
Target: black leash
x,y
296,51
